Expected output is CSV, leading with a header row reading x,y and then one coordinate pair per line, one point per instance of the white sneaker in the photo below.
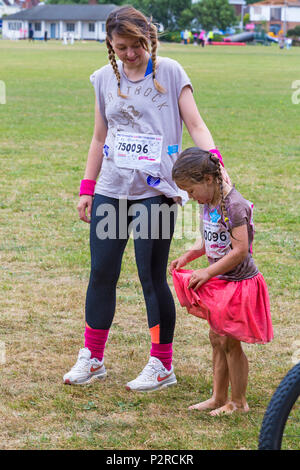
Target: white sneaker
x,y
153,377
86,370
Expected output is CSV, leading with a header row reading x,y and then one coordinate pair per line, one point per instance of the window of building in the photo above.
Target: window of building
x,y
14,26
103,28
91,27
37,27
275,14
70,27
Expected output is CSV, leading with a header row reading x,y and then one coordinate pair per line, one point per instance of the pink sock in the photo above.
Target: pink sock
x,y
163,352
95,341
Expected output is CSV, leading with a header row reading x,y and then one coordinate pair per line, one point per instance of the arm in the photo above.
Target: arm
x,y
95,155
193,121
196,126
228,262
94,163
195,252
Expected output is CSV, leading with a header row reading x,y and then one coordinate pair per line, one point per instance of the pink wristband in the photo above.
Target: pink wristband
x,y
87,187
217,152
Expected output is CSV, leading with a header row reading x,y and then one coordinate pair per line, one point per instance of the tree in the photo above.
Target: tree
x,y
185,18
166,12
214,13
246,19
82,2
170,13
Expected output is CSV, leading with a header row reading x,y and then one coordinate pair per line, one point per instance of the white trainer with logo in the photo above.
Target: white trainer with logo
x,y
86,370
153,377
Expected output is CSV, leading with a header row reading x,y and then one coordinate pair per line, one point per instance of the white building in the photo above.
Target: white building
x,y
82,21
7,8
279,14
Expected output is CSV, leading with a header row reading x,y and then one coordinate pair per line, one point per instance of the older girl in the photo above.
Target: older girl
x,y
141,101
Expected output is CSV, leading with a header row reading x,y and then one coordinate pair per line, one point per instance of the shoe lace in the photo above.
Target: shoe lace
x,y
150,369
80,364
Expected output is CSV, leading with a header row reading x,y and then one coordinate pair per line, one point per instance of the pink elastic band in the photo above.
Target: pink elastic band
x,y
87,187
217,152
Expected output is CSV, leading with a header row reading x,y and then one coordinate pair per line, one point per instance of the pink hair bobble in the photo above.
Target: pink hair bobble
x,y
87,187
218,153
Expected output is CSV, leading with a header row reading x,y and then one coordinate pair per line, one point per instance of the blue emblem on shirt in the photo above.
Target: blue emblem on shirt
x,y
172,149
152,181
214,216
105,149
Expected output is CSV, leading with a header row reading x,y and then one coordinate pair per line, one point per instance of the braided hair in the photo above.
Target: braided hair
x,y
129,22
153,39
112,59
220,181
192,165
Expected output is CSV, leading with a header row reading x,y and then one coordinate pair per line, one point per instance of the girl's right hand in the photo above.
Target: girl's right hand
x,y
177,263
84,208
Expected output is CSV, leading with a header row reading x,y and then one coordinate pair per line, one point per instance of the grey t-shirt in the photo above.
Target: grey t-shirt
x,y
144,111
217,237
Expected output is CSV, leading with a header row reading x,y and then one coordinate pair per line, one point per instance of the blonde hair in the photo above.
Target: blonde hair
x,y
129,22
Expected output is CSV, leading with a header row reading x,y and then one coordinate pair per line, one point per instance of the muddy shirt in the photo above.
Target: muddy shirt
x,y
217,237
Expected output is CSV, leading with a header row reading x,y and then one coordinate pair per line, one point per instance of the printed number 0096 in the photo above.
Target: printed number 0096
x,y
214,236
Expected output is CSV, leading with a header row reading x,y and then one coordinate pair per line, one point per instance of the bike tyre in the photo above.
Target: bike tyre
x,y
278,410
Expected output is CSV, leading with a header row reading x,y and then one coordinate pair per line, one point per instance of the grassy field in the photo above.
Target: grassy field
x,y
245,96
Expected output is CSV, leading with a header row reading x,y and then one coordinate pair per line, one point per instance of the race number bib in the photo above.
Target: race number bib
x,y
138,152
216,238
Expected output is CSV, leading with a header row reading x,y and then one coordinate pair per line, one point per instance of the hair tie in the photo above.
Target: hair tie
x,y
218,154
211,156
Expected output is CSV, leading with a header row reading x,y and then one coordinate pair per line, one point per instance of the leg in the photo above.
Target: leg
x,y
220,376
151,253
107,247
238,376
152,258
106,259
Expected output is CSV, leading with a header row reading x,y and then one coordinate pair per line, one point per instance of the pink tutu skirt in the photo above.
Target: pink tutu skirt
x,y
240,309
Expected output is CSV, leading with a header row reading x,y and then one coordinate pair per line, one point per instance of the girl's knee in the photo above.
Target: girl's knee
x,y
225,343
215,339
231,345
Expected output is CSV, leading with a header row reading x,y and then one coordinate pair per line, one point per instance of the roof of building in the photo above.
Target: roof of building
x,y
237,2
64,13
277,3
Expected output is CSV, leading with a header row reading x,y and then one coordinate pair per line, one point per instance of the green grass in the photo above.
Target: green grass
x,y
244,95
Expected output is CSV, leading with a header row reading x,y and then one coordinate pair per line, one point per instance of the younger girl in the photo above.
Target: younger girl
x,y
231,293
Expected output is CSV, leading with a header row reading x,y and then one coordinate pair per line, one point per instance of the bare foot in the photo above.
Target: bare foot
x,y
229,408
210,404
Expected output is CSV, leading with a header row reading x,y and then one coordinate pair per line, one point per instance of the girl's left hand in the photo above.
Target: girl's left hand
x,y
199,277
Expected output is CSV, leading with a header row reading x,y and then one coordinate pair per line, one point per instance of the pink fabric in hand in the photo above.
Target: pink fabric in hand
x,y
240,309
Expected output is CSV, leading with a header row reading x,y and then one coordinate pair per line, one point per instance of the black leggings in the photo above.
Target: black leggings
x,y
152,221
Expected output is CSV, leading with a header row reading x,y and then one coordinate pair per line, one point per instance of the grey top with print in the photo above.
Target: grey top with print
x,y
145,111
240,212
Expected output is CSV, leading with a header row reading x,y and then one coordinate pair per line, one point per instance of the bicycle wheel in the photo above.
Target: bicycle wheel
x,y
281,424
